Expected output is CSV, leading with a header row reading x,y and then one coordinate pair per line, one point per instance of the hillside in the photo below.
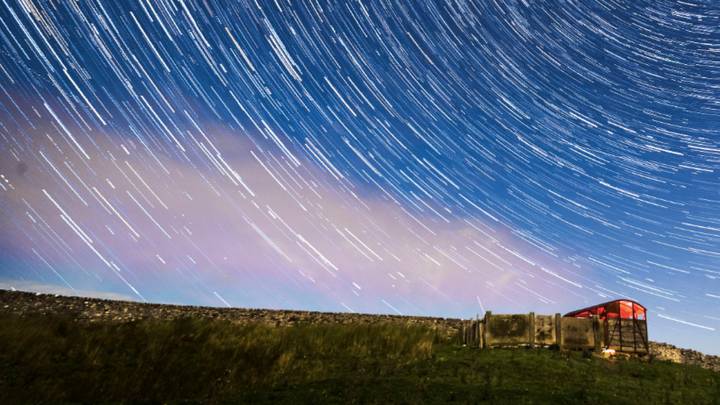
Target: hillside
x,y
53,353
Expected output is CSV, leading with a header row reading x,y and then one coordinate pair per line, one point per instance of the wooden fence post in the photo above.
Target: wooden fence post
x,y
531,335
471,340
467,331
597,335
481,334
486,321
558,331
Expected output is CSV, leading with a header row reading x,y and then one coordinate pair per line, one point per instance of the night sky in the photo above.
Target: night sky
x,y
386,157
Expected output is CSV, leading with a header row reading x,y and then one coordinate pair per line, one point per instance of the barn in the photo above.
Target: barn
x,y
625,324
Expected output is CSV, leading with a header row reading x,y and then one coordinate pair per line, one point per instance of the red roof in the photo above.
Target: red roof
x,y
622,308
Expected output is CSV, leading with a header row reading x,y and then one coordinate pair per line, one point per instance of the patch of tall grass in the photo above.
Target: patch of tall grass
x,y
57,357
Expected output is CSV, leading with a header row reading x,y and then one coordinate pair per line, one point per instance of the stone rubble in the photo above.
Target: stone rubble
x,y
99,310
665,351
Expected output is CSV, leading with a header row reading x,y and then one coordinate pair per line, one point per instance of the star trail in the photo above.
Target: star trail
x,y
430,158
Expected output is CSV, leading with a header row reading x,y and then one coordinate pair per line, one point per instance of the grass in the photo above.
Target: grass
x,y
56,359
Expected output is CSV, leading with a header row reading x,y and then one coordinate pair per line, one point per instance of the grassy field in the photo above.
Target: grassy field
x,y
53,359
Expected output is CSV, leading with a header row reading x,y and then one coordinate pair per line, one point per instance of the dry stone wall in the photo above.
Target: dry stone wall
x,y
664,351
94,310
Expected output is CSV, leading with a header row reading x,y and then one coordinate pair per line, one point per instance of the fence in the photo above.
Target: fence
x,y
625,335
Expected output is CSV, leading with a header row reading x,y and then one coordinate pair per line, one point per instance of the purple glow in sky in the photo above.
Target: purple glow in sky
x,y
437,160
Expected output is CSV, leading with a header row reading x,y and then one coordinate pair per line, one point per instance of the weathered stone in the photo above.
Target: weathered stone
x,y
96,310
664,351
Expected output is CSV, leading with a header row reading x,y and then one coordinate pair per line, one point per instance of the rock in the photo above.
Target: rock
x,y
668,352
95,310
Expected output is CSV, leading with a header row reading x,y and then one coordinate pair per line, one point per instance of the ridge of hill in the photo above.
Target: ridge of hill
x,y
97,309
59,349
104,310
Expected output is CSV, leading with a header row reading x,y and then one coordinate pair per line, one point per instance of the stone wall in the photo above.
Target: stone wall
x,y
664,351
94,310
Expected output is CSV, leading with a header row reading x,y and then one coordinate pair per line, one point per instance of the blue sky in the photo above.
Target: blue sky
x,y
437,159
